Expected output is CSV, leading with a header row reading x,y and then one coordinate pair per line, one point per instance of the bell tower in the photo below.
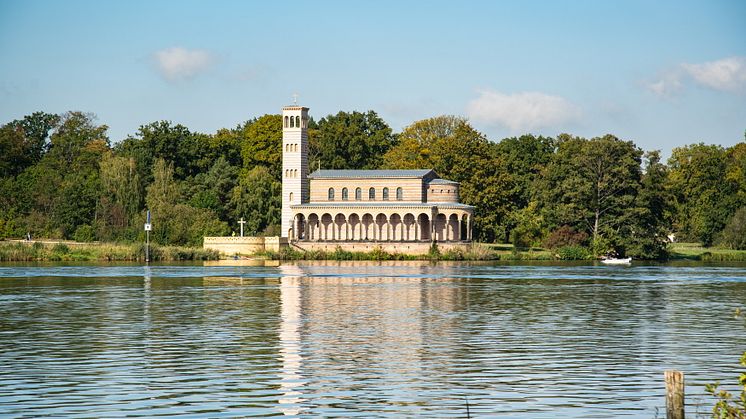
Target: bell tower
x,y
294,164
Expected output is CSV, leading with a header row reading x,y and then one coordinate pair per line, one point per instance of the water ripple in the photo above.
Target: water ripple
x,y
363,339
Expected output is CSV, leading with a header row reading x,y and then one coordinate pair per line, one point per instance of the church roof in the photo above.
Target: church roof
x,y
363,174
442,182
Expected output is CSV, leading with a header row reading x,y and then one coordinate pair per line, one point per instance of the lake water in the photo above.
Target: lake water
x,y
365,339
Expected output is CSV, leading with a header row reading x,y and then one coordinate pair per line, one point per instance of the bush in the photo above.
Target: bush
x,y
565,236
734,233
84,233
573,253
60,248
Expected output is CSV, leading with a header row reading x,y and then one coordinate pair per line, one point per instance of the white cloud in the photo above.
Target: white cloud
x,y
667,85
179,63
728,74
522,111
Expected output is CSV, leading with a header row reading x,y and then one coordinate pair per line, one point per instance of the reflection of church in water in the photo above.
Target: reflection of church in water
x,y
362,206
333,329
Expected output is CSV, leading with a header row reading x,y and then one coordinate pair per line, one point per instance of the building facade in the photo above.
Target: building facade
x,y
359,206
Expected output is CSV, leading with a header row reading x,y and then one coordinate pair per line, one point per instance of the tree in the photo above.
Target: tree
x,y
189,152
24,142
173,221
456,151
591,185
212,190
734,233
257,198
351,141
646,237
261,144
705,197
120,197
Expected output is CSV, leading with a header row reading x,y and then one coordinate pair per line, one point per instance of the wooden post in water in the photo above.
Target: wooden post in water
x,y
674,394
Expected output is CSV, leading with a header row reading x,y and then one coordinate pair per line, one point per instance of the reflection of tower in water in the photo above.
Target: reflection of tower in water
x,y
291,381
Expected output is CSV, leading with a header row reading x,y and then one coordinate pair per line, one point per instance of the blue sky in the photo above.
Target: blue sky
x,y
660,73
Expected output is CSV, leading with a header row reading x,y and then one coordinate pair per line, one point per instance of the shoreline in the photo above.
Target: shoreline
x,y
50,250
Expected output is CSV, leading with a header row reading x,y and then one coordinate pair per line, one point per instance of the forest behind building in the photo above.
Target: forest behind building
x,y
61,176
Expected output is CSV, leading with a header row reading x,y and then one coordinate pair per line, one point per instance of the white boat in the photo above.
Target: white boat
x,y
615,261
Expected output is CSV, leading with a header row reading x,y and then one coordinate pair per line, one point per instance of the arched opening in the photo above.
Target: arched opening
x,y
295,172
286,122
397,226
290,197
358,194
385,194
292,122
382,232
354,221
297,121
344,194
367,228
372,194
340,227
300,227
326,222
399,194
463,227
452,230
423,221
313,227
439,226
331,194
409,231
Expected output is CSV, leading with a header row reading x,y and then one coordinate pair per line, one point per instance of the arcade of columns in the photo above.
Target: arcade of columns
x,y
454,225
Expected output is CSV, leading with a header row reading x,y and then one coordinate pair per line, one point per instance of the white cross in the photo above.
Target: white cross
x,y
242,222
295,98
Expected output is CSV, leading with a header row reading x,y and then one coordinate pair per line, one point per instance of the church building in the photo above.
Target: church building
x,y
358,209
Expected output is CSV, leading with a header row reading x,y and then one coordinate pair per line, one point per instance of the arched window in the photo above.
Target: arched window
x,y
399,194
358,194
372,194
295,173
385,194
344,194
296,147
291,197
286,122
292,122
331,194
297,121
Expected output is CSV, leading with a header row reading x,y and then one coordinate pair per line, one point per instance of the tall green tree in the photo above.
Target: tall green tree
x,y
591,185
351,140
456,151
213,189
173,221
261,144
257,198
24,142
120,199
705,196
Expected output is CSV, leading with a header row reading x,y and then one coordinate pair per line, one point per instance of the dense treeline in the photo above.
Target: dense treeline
x,y
60,176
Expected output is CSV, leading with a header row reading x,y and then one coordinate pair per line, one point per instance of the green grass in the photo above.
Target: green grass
x,y
477,252
21,251
695,251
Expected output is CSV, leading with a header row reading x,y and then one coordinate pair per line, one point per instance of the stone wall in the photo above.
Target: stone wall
x,y
230,246
407,248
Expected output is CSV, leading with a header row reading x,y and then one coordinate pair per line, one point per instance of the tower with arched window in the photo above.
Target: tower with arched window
x,y
294,162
